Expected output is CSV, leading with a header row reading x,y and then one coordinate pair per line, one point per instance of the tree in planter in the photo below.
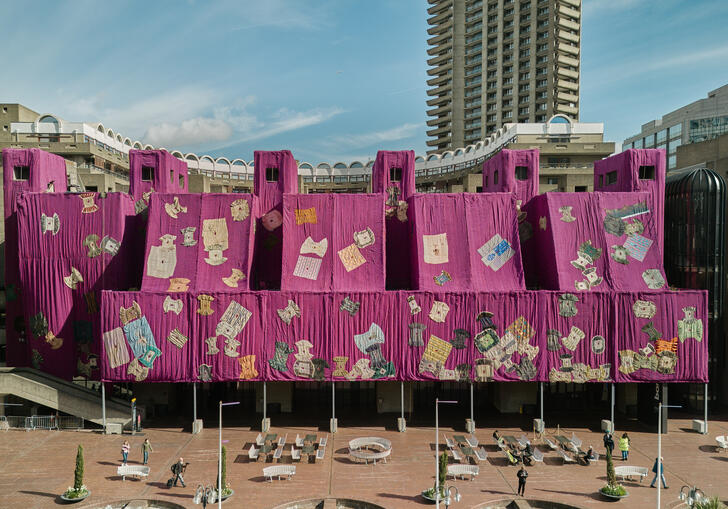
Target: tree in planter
x,y
225,489
79,489
612,487
441,475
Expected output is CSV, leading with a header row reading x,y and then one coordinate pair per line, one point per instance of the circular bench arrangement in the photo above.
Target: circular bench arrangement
x,y
370,449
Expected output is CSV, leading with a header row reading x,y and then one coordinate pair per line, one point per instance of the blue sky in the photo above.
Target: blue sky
x,y
329,80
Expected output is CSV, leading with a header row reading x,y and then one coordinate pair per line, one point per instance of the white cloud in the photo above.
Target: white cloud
x,y
194,131
401,132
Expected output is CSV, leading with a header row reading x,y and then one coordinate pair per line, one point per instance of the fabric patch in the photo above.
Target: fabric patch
x,y
414,307
205,301
439,311
442,278
271,220
73,279
178,284
204,373
483,370
139,372
39,325
162,259
662,345
366,340
303,350
553,338
486,340
590,250
173,305
644,309
628,211
212,348
188,236
634,227
361,369
598,344
653,279
689,326
215,256
393,193
139,336
485,319
280,356
233,320
651,331
150,356
231,347
131,313
496,252
240,210
619,254
349,306
215,234
236,275
319,248
88,203
567,305
613,225
247,367
364,238
572,340
566,366
304,216
307,267
303,369
437,350
36,359
460,339
91,242
430,366
566,214
50,224
435,249
289,312
115,348
110,245
521,330
318,369
340,366
174,208
415,335
526,370
637,246
177,338
351,257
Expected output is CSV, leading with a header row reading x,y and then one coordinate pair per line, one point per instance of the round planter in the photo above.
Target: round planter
x,y
232,492
77,499
429,498
613,497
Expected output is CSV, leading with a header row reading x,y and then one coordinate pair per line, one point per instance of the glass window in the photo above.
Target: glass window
x,y
662,146
671,162
674,144
661,136
650,141
626,146
676,130
638,143
707,128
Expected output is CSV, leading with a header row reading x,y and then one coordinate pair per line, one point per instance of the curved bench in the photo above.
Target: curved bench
x,y
463,470
722,442
138,471
279,471
370,455
626,472
358,443
356,451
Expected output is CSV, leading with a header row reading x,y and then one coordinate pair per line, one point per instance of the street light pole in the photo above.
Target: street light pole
x,y
437,450
660,406
220,487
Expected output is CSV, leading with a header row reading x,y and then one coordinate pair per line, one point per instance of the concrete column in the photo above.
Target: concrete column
x,y
103,405
664,409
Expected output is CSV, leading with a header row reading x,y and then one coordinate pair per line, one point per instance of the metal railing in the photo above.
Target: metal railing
x,y
42,422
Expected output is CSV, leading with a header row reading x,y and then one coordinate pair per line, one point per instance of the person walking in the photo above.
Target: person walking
x,y
124,452
608,442
522,475
661,473
624,446
146,449
178,469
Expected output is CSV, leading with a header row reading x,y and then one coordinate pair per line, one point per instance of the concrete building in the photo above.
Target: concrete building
x,y
712,154
696,122
499,61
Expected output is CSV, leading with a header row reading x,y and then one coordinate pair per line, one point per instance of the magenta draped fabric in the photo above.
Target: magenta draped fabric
x,y
503,173
164,174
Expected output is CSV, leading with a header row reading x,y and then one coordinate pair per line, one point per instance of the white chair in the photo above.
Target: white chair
x,y
299,441
282,440
295,454
320,453
323,441
253,453
565,457
449,442
575,440
480,454
551,444
722,442
278,453
472,441
456,455
260,439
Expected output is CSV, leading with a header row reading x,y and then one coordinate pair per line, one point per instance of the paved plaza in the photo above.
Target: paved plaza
x,y
36,466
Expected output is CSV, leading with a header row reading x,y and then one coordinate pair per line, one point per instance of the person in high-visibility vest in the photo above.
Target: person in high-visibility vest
x,y
624,446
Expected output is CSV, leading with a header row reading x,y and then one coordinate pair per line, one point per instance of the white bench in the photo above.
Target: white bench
x,y
323,441
456,455
320,453
278,453
480,454
551,444
295,454
463,470
260,439
537,455
253,453
565,457
299,441
279,471
472,441
450,443
138,471
626,472
722,442
282,440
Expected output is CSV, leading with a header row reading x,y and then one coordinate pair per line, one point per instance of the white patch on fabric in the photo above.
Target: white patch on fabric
x,y
234,278
351,257
233,320
115,348
307,267
319,248
289,312
73,279
435,248
174,208
162,259
240,210
439,311
496,252
653,279
364,238
50,224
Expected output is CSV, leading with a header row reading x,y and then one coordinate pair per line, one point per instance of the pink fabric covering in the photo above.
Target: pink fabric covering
x,y
468,221
334,222
195,255
169,175
504,163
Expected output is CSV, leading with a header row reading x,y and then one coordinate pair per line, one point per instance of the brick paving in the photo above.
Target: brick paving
x,y
36,466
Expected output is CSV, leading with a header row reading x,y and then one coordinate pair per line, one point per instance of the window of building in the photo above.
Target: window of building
x,y
495,178
181,181
542,47
523,111
661,136
525,76
580,189
521,172
271,174
647,173
676,130
5,128
21,173
147,173
508,114
92,189
626,146
674,144
543,10
707,128
650,141
671,162
541,83
638,143
526,41
611,178
507,103
552,181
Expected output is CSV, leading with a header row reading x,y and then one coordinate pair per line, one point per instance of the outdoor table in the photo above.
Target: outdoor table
x,y
467,450
270,437
309,438
265,449
459,439
511,440
307,449
563,441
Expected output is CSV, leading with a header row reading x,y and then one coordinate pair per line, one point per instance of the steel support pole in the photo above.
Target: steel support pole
x,y
194,401
472,414
540,399
219,463
437,456
265,402
611,415
103,405
401,398
705,409
333,400
659,452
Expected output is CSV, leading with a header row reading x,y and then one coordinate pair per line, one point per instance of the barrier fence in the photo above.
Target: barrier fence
x,y
40,422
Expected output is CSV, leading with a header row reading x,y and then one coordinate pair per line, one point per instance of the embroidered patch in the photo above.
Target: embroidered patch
x,y
651,331
131,313
319,365
526,370
150,356
486,340
188,236
289,312
485,319
39,325
139,372
303,369
303,350
139,336
173,305
231,347
54,342
460,339
613,225
598,344
364,238
414,307
307,267
340,366
233,320
236,275
619,254
110,245
280,356
115,348
91,306
361,369
628,211
662,345
648,350
140,206
644,309
592,252
429,366
212,348
240,210
50,224
567,305
304,216
653,279
247,367
442,278
351,257
73,279
177,338
349,306
319,248
88,203
91,242
521,330
566,214
637,246
435,248
566,359
439,311
178,284
636,227
437,350
271,220
204,373
553,338
415,335
174,208
496,252
572,340
367,340
689,326
592,277
205,301
215,256
483,370
215,234
162,259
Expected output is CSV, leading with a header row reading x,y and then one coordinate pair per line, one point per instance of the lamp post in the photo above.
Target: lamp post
x,y
660,406
437,449
219,455
448,496
204,495
691,495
